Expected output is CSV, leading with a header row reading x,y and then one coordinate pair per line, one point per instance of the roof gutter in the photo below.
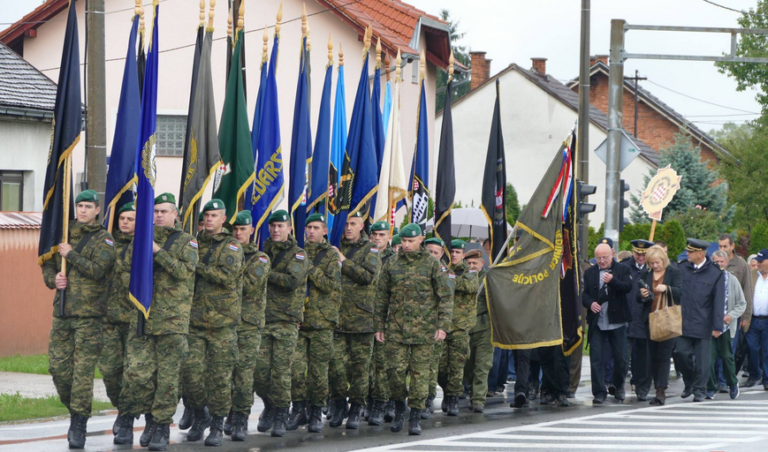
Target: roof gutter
x,y
26,113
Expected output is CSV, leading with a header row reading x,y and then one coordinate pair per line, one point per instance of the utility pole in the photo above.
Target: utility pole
x,y
583,132
96,109
615,104
636,78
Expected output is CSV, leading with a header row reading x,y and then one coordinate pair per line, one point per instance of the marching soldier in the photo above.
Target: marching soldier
x,y
414,307
435,247
314,350
286,292
213,325
75,342
353,341
480,349
153,361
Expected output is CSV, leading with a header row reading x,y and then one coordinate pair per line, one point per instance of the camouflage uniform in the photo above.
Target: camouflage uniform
x,y
456,345
353,340
379,384
415,298
117,321
213,324
480,351
75,342
286,291
309,381
153,361
254,299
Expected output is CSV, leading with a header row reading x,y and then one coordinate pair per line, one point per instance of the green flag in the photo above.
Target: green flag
x,y
236,171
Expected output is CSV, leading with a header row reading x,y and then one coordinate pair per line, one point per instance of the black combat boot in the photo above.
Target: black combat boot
x,y
239,427
315,419
159,439
444,404
339,413
266,418
453,406
199,424
186,419
377,414
116,425
125,431
216,433
149,429
281,416
399,419
414,423
426,413
228,423
298,416
368,408
353,418
389,411
80,425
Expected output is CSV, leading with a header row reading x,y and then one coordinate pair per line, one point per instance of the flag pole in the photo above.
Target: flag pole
x,y
65,238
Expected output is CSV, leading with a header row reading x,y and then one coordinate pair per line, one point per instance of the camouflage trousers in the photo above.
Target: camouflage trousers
x,y
151,379
73,351
309,368
248,341
479,364
434,365
455,351
114,340
350,366
379,382
208,368
272,377
415,358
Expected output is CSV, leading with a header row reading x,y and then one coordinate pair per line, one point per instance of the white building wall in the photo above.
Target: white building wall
x,y
24,147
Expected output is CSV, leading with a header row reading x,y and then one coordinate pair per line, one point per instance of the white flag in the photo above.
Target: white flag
x,y
393,186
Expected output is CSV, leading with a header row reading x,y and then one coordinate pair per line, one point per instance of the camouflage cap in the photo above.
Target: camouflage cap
x,y
279,215
380,226
87,196
314,217
434,241
396,241
165,197
458,244
126,207
243,218
411,230
214,204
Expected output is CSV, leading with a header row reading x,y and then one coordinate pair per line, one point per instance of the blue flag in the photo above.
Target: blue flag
x,y
268,183
257,114
122,160
301,150
419,193
318,193
338,144
140,287
387,107
379,138
359,180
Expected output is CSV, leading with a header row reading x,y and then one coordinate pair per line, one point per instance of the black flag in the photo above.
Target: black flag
x,y
446,176
188,157
494,184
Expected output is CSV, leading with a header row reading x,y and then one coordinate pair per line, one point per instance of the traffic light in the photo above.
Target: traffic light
x,y
582,191
623,204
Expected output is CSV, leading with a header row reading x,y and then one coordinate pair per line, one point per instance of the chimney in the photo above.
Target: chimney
x,y
594,59
539,65
481,69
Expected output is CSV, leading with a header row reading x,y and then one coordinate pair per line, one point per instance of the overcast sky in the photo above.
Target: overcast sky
x,y
513,31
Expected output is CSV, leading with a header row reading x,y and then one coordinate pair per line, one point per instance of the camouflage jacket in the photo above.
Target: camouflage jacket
x,y
386,255
483,321
323,288
359,275
88,272
119,306
173,283
415,298
464,298
256,268
216,302
287,287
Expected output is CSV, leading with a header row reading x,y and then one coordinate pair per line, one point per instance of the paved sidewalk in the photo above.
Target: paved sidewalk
x,y
33,385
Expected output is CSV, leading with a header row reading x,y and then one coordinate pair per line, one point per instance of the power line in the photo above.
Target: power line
x,y
722,116
702,100
64,17
734,9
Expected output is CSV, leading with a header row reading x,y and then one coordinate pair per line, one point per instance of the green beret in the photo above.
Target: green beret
x,y
358,214
165,197
458,244
380,226
279,215
243,218
87,196
411,230
395,231
396,240
126,207
434,241
200,217
214,204
315,217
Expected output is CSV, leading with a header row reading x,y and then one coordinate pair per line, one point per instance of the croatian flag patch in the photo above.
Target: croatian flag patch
x,y
193,244
374,250
109,242
233,247
299,256
442,269
451,276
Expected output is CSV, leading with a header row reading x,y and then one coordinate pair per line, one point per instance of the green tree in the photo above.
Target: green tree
x,y
700,187
673,234
513,205
633,232
460,53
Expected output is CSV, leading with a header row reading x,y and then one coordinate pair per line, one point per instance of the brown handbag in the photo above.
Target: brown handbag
x,y
666,322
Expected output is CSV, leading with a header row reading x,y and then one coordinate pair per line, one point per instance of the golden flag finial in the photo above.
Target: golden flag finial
x,y
387,63
422,65
279,23
264,45
229,23
341,55
330,50
378,52
202,13
451,62
141,16
303,20
210,16
398,61
241,16
137,8
367,41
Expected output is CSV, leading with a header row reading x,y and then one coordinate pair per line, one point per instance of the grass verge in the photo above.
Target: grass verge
x,y
30,364
14,407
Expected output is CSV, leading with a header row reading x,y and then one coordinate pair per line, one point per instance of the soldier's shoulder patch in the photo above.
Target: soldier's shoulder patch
x,y
473,271
374,249
451,275
263,259
109,242
442,268
234,247
340,264
300,256
193,243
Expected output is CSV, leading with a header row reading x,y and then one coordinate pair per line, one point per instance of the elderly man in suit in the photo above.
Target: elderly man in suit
x,y
606,286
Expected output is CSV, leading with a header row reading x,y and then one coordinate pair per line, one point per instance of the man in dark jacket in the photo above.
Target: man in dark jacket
x,y
606,286
641,364
703,302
